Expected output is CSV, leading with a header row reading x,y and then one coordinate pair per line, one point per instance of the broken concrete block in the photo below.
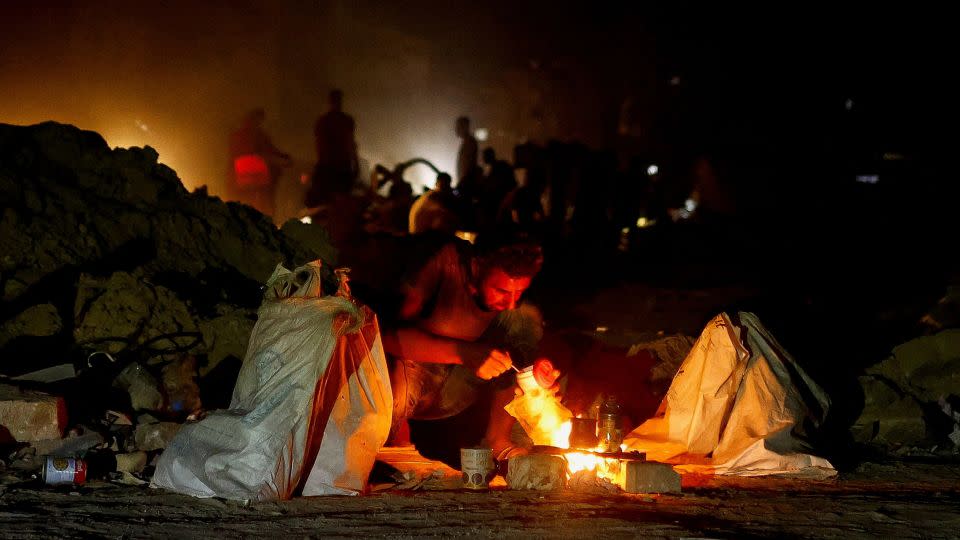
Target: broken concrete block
x,y
129,306
651,477
27,416
925,367
41,320
48,375
155,436
537,471
226,336
68,447
887,416
587,481
133,462
143,388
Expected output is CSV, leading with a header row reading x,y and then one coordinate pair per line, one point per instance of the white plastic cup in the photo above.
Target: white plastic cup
x,y
526,381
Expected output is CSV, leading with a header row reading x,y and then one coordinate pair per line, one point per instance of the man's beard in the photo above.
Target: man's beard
x,y
478,299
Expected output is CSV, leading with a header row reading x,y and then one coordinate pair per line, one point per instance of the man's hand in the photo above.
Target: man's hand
x,y
545,374
495,363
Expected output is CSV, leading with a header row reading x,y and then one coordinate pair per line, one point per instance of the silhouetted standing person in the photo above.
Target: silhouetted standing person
x,y
468,172
521,207
255,163
337,162
498,181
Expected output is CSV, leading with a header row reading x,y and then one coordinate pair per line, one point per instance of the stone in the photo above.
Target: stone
x,y
165,260
68,447
48,375
651,477
132,462
27,416
586,481
541,472
126,310
39,320
143,388
155,436
226,336
888,417
925,367
918,375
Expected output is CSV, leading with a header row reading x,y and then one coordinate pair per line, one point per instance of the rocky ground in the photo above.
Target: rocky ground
x,y
891,500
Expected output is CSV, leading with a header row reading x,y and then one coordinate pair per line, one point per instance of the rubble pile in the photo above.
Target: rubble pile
x,y
119,289
912,398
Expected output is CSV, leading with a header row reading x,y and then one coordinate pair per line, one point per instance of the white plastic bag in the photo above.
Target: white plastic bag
x,y
738,405
310,409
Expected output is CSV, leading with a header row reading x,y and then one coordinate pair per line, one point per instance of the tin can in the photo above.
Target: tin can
x,y
61,470
583,433
477,467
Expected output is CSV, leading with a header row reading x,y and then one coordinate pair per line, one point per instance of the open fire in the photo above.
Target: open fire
x,y
587,459
554,429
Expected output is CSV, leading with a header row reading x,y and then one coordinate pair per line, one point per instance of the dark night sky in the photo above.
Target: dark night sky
x,y
179,74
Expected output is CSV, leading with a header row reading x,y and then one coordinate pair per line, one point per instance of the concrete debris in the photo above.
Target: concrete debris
x,y
117,419
28,416
153,269
888,417
69,446
41,320
143,388
128,479
226,335
903,395
48,375
651,477
133,462
927,367
586,481
431,481
126,311
540,472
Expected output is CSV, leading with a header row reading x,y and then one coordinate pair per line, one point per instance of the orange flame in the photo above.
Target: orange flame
x,y
603,467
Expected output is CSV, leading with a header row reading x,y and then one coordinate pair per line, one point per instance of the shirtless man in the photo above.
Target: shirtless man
x,y
462,329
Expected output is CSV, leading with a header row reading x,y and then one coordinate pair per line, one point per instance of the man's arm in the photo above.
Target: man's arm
x,y
421,346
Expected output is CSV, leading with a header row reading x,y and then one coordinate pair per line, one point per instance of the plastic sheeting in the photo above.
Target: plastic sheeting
x,y
310,409
738,405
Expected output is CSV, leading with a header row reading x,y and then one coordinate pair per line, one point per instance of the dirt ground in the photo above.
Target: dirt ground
x,y
892,500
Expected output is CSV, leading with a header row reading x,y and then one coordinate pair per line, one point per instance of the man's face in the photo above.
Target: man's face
x,y
499,291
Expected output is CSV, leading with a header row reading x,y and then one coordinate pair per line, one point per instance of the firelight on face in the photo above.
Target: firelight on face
x,y
499,291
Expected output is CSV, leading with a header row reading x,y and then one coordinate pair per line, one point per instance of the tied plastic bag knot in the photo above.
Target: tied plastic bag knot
x,y
304,282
